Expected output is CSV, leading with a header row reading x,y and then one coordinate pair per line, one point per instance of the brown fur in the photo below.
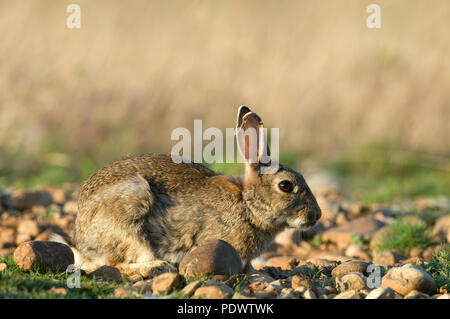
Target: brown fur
x,y
144,213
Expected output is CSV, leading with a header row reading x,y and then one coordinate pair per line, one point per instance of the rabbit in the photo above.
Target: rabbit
x,y
143,214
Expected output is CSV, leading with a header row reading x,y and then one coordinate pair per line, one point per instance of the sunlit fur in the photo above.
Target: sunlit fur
x,y
143,210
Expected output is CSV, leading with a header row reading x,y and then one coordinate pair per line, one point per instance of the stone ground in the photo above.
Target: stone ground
x,y
335,260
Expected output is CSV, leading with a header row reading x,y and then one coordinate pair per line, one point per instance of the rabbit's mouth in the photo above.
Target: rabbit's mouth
x,y
301,224
308,225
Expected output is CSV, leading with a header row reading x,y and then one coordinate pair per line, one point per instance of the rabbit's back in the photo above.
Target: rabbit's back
x,y
157,169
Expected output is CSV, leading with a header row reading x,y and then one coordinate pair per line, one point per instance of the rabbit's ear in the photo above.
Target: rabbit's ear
x,y
252,142
241,112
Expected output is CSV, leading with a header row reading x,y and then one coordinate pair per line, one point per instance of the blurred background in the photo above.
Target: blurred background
x,y
365,109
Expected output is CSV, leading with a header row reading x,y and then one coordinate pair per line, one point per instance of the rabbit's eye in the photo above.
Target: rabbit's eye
x,y
286,186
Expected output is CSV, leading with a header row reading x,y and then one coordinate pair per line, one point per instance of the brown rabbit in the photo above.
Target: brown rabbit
x,y
143,214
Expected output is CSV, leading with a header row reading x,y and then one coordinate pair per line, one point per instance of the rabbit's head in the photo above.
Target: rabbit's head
x,y
277,196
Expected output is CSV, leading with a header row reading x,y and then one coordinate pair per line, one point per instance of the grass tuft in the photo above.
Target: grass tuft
x,y
316,241
359,240
404,235
439,267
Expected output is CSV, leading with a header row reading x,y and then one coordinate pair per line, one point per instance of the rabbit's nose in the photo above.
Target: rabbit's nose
x,y
318,212
315,213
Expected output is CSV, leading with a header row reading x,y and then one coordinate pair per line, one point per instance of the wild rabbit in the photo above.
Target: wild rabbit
x,y
143,214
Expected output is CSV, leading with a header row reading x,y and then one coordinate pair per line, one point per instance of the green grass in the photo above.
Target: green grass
x,y
322,277
240,281
35,283
25,171
359,240
49,211
198,277
316,241
379,173
403,236
439,267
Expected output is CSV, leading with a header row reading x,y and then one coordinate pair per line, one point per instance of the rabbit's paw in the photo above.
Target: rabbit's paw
x,y
157,267
148,269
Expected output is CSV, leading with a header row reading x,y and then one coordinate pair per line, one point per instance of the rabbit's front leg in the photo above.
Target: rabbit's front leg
x,y
147,269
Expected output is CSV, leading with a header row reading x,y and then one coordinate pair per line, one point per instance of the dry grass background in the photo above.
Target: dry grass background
x,y
138,69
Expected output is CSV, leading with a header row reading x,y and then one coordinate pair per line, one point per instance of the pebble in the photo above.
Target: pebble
x,y
107,273
415,294
288,237
142,287
260,277
44,254
23,200
383,293
287,293
349,267
28,227
213,292
283,262
350,294
300,281
356,251
21,238
352,281
190,288
238,295
70,207
342,236
387,258
124,292
441,228
7,237
215,257
59,291
167,282
309,294
409,277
